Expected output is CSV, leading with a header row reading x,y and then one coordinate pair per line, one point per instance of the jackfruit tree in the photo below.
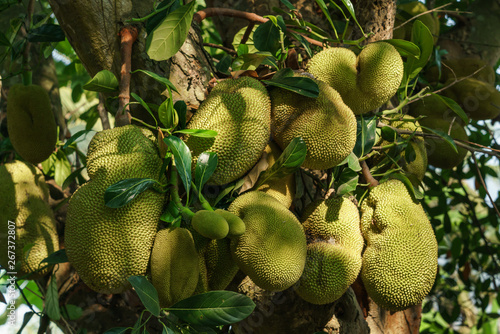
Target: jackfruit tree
x,y
250,166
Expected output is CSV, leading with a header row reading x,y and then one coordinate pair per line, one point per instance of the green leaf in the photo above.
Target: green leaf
x,y
181,108
249,61
249,46
167,38
171,213
289,161
267,37
288,4
388,134
167,114
224,64
71,312
324,9
147,293
4,41
198,133
104,81
158,78
164,8
52,300
77,174
300,85
422,37
348,181
182,158
117,330
62,167
405,48
46,33
75,137
353,162
415,193
214,308
26,318
444,136
56,257
366,134
455,107
144,105
410,154
456,247
303,42
283,73
124,191
205,167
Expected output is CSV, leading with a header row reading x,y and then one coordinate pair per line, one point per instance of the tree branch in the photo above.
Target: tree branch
x,y
128,35
103,114
372,182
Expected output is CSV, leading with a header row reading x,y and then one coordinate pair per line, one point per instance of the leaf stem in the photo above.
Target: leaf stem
x,y
175,192
204,203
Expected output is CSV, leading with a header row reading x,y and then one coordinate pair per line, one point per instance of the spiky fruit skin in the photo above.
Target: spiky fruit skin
x,y
326,124
272,252
334,250
220,265
400,259
480,100
439,153
174,265
235,223
365,82
24,196
210,224
414,8
107,245
30,122
240,111
282,189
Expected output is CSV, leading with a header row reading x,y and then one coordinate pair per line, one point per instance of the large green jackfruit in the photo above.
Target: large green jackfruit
x,y
30,122
107,245
434,106
272,252
400,259
326,124
334,250
220,265
365,82
452,69
282,189
23,198
174,265
240,111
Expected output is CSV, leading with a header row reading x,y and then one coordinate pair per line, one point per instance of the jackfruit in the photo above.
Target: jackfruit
x,y
400,259
282,189
209,224
433,106
174,265
478,99
240,111
30,122
24,196
236,225
364,82
414,8
272,252
452,69
439,153
220,265
334,252
107,245
326,124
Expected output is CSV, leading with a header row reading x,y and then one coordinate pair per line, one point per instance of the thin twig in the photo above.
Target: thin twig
x,y
372,182
423,13
217,46
484,184
103,113
245,37
128,35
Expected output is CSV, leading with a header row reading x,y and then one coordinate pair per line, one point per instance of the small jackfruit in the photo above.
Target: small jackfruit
x,y
210,224
236,225
282,189
452,69
334,253
240,111
24,196
414,8
439,153
220,265
107,245
30,122
365,82
174,265
400,259
326,124
272,252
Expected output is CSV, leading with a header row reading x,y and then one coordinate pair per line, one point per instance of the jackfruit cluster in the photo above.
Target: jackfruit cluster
x,y
219,263
334,250
325,123
366,81
24,200
409,10
399,263
174,265
272,251
107,245
240,111
30,122
282,189
210,224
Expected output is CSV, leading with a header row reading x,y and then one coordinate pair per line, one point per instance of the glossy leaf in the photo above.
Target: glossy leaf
x,y
214,308
158,78
52,300
422,37
124,191
455,107
56,257
171,213
62,167
224,64
182,158
283,73
181,108
348,181
444,136
300,85
167,38
366,134
167,114
266,37
205,167
321,4
75,137
249,46
249,61
71,312
147,293
144,105
47,33
388,134
405,48
288,4
104,82
198,133
353,162
164,8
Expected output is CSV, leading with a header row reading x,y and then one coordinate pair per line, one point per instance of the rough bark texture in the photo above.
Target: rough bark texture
x,y
377,17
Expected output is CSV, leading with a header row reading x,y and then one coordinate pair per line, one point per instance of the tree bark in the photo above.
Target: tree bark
x,y
376,17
